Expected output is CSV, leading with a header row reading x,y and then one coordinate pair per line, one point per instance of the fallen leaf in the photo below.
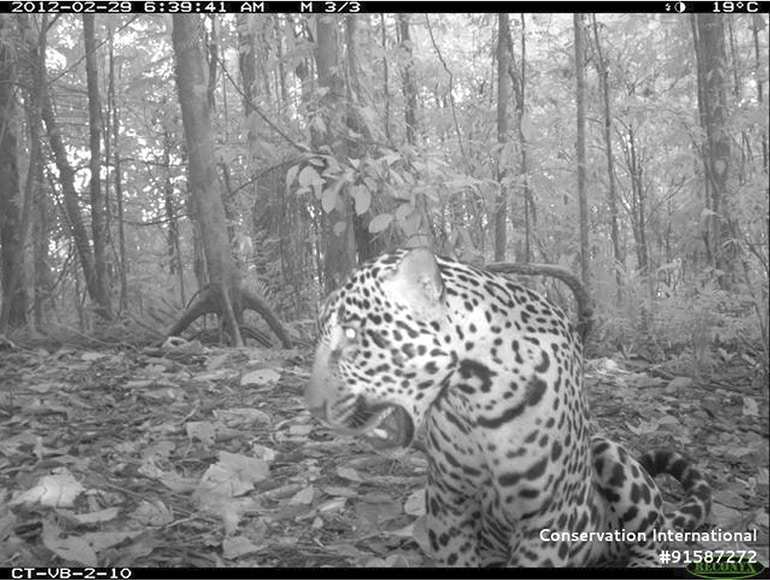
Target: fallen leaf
x,y
260,377
421,534
152,513
645,427
251,469
58,490
300,430
165,394
669,421
341,491
176,482
405,532
351,474
142,548
303,496
139,384
229,509
243,417
265,453
160,450
217,361
72,548
42,388
214,376
237,546
645,382
204,431
729,498
372,515
678,383
104,515
750,407
415,503
102,540
12,445
221,481
332,505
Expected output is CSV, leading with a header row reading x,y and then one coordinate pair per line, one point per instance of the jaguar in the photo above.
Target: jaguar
x,y
489,374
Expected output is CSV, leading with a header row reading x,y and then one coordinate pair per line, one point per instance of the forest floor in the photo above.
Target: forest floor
x,y
204,457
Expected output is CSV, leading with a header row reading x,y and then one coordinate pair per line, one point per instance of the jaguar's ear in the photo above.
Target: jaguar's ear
x,y
417,281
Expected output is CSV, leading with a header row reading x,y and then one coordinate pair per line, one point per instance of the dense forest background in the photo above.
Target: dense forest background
x,y
630,149
213,177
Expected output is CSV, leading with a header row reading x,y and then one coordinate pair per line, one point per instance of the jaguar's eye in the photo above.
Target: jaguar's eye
x,y
351,333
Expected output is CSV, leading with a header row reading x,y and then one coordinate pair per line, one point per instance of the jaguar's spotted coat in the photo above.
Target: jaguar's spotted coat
x,y
493,373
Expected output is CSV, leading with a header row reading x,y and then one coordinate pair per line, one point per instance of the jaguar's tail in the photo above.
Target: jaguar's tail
x,y
694,511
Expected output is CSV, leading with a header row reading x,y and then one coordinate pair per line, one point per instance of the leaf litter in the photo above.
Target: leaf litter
x,y
192,456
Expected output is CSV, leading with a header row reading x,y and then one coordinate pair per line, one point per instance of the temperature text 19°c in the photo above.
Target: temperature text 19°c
x,y
728,7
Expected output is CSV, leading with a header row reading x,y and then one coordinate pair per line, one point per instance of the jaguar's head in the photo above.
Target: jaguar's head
x,y
382,353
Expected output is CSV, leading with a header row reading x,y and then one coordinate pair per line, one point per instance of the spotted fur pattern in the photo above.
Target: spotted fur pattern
x,y
492,374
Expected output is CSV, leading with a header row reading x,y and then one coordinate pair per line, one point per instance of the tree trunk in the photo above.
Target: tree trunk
x,y
519,79
196,109
278,27
14,302
410,88
581,151
71,200
224,293
503,97
98,209
358,44
247,66
421,235
639,205
757,24
36,209
266,218
340,236
385,78
112,138
712,95
212,51
612,194
636,205
170,209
